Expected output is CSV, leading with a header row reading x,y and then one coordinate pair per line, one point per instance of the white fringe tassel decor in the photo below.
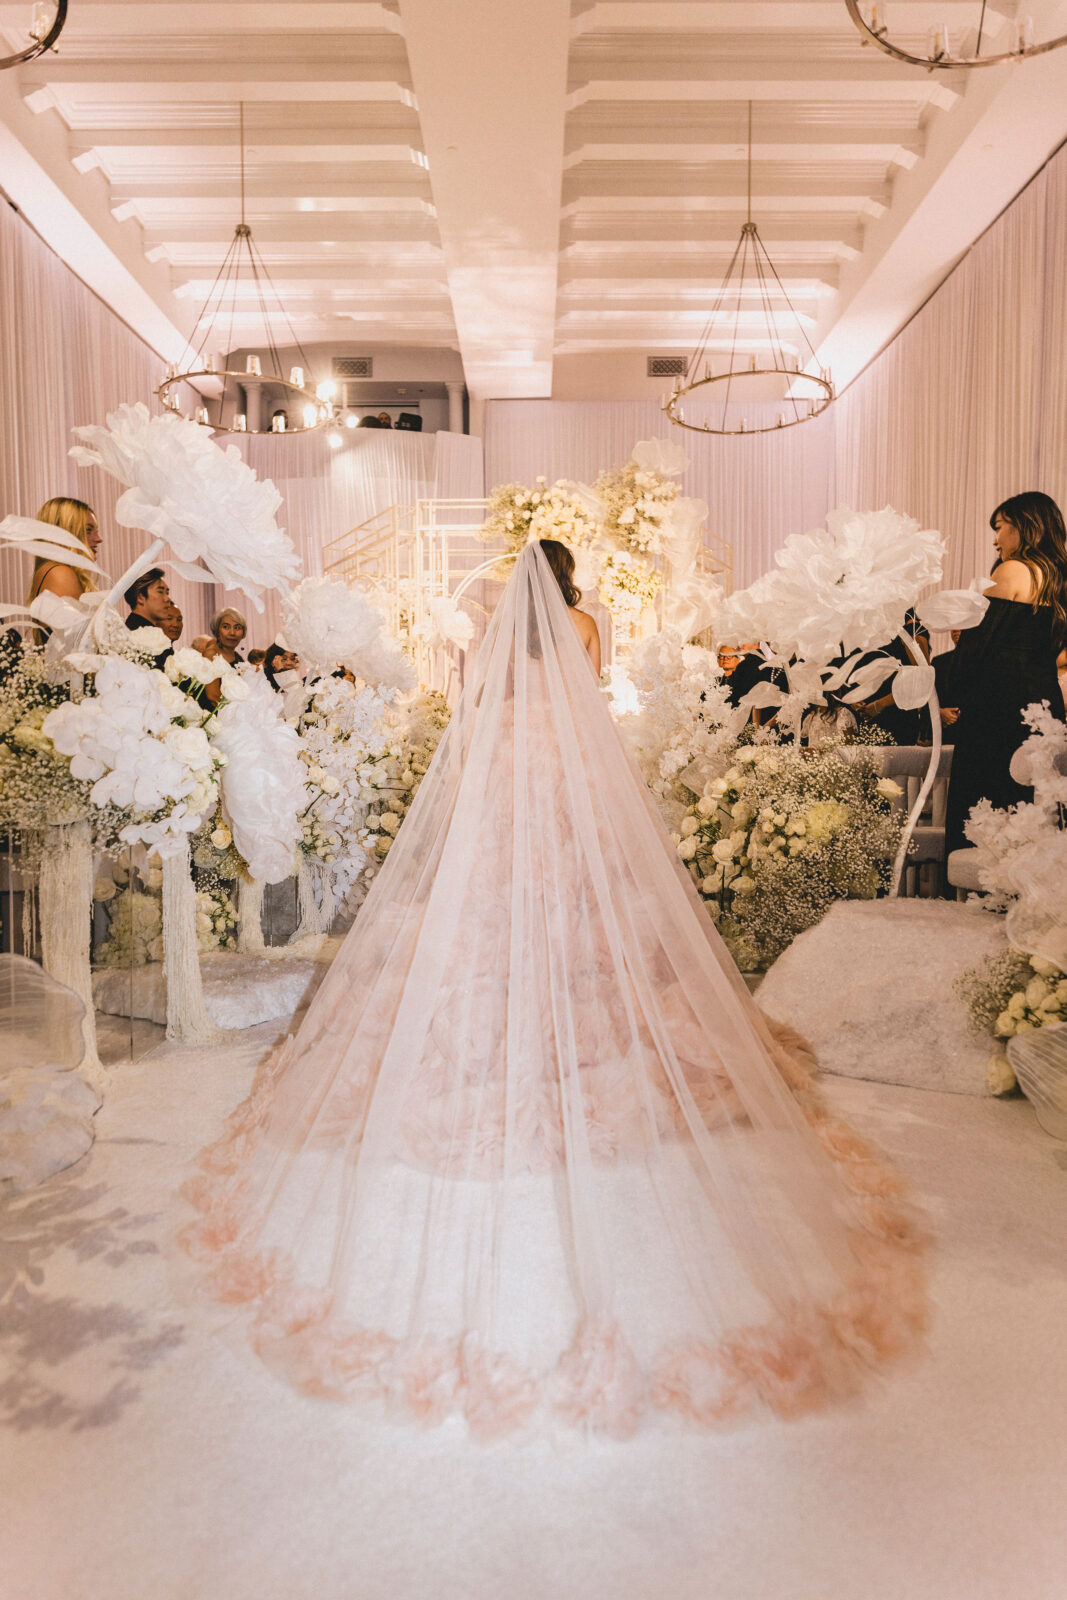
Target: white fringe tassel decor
x,y
310,922
250,914
66,894
187,1016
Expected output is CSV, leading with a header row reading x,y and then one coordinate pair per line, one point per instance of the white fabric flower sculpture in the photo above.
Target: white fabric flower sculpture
x,y
263,781
326,622
846,586
201,500
446,623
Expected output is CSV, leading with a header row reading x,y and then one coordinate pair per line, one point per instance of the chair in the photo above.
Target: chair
x,y
906,765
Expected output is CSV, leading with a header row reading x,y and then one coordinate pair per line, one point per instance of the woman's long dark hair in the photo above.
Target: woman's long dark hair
x,y
1043,546
561,561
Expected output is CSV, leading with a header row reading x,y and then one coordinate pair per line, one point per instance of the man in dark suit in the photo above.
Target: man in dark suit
x,y
150,605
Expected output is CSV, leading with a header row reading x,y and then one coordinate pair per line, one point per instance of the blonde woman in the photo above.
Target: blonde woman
x,y
56,577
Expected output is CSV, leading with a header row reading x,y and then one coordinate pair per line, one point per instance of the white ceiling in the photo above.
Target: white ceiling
x,y
519,179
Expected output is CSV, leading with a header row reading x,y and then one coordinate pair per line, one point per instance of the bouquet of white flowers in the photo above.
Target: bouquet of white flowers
x,y
636,508
516,515
627,585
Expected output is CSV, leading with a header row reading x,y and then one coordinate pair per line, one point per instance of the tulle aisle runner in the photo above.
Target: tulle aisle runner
x,y
534,1150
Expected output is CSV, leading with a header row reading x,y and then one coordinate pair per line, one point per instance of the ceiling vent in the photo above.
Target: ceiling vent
x,y
667,366
353,366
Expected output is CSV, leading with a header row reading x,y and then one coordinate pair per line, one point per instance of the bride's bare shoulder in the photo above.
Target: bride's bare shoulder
x,y
583,622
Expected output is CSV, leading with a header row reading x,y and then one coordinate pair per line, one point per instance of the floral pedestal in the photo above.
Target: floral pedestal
x,y
187,1017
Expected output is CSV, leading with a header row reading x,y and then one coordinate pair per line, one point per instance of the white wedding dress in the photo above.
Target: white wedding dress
x,y
534,1152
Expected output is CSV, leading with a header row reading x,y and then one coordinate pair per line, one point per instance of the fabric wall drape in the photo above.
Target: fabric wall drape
x,y
327,492
759,488
65,359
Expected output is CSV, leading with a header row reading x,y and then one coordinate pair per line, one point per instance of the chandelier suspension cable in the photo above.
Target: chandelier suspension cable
x,y
752,274
217,324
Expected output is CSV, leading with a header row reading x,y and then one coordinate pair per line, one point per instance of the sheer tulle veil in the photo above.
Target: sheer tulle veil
x,y
534,1151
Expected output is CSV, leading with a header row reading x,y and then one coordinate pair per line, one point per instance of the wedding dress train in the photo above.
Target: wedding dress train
x,y
534,1150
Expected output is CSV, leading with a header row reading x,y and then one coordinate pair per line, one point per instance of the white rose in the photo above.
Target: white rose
x,y
689,826
317,775
1004,1026
330,784
1045,969
706,805
722,851
1036,991
886,787
222,838
687,849
709,885
203,922
234,687
389,821
1000,1079
1017,1005
189,663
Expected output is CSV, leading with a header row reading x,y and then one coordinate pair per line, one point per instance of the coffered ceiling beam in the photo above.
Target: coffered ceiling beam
x,y
491,83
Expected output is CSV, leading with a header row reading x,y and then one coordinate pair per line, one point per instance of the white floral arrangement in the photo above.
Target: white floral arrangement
x,y
670,704
216,919
1021,858
637,506
140,743
328,623
780,835
628,585
516,515
1009,994
343,733
391,779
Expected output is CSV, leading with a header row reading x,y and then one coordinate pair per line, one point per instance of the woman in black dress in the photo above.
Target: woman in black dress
x,y
1009,660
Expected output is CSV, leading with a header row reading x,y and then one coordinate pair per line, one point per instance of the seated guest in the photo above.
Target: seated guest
x,y
370,422
384,419
881,710
742,667
229,627
173,625
281,668
255,659
150,605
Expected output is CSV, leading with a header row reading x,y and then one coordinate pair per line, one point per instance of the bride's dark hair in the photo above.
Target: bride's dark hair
x,y
561,561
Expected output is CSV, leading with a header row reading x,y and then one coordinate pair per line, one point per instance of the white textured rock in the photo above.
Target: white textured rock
x,y
871,988
240,989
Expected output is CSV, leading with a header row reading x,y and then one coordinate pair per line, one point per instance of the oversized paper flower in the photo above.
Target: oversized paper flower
x,y
263,782
201,500
847,586
660,455
446,622
384,664
326,622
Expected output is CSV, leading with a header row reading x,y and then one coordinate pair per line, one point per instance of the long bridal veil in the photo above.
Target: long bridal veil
x,y
533,1148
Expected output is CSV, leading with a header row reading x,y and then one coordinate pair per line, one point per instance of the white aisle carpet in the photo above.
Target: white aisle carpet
x,y
141,1458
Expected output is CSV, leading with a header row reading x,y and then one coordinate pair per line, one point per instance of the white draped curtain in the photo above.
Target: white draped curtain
x,y
65,359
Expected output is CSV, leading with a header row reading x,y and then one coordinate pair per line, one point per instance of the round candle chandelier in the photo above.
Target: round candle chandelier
x,y
46,25
781,362
220,393
940,55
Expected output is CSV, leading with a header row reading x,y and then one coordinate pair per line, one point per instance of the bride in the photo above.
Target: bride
x,y
534,1151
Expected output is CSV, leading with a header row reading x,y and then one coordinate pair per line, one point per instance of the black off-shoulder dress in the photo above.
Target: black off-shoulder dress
x,y
999,668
